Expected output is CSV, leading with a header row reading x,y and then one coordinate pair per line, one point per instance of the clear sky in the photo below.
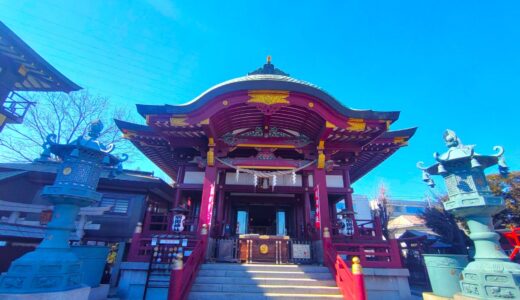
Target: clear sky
x,y
443,64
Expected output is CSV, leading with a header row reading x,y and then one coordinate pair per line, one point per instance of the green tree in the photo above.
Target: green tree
x,y
509,188
446,226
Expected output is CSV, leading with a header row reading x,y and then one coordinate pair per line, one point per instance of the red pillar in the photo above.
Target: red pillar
x,y
322,200
208,197
220,203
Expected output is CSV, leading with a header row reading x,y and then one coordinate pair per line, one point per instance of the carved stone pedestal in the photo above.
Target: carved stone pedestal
x,y
75,294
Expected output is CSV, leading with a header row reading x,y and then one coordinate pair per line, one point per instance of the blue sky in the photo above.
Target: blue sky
x,y
443,64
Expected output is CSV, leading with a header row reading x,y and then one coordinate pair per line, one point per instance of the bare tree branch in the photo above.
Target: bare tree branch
x,y
67,116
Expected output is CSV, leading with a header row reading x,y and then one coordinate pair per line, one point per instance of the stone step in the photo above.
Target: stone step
x,y
265,274
257,296
155,277
265,267
264,280
266,288
154,293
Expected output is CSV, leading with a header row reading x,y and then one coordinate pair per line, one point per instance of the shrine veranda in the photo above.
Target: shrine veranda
x,y
265,156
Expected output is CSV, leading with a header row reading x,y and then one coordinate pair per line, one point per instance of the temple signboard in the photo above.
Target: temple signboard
x,y
317,221
210,204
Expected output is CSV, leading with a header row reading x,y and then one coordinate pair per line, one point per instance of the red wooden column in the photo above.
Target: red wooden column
x,y
220,203
322,200
306,204
208,197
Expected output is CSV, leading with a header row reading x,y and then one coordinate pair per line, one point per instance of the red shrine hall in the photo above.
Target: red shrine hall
x,y
259,163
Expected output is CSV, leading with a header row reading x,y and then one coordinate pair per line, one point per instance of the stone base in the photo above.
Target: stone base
x,y
44,270
75,294
459,296
432,296
132,280
492,279
387,284
99,293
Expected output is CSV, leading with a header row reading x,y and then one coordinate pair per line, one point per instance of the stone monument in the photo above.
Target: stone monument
x,y
491,275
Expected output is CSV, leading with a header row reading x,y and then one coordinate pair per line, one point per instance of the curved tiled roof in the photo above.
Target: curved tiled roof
x,y
264,81
41,75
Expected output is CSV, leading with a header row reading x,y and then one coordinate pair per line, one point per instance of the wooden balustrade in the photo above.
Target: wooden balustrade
x,y
384,254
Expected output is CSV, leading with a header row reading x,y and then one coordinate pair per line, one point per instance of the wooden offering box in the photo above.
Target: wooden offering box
x,y
263,248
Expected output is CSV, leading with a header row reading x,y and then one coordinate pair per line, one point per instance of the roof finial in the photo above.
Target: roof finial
x,y
268,69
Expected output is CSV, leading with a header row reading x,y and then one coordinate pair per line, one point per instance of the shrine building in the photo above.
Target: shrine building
x,y
260,162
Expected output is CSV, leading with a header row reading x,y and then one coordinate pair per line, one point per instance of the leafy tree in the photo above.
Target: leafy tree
x,y
65,115
509,188
446,226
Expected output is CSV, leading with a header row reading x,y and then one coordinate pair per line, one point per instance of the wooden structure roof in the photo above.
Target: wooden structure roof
x,y
39,75
266,110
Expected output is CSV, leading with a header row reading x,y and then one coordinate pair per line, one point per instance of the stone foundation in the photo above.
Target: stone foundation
x,y
75,294
387,284
132,280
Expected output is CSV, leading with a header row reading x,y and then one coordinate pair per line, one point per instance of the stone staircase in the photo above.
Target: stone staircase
x,y
263,281
158,284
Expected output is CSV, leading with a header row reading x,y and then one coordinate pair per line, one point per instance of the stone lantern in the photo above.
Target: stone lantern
x,y
491,275
52,267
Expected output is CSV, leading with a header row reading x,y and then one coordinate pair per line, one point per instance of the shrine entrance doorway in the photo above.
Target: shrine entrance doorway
x,y
273,216
262,220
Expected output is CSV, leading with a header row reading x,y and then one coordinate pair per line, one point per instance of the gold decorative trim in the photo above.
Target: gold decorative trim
x,y
128,135
211,157
178,121
3,118
321,155
263,249
67,171
321,160
211,142
204,122
268,97
400,140
329,125
356,266
22,70
356,125
263,237
321,145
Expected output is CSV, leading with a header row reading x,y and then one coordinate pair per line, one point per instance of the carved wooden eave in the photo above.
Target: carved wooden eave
x,y
248,115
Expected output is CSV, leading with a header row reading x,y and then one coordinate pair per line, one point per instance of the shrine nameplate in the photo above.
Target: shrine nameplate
x,y
264,248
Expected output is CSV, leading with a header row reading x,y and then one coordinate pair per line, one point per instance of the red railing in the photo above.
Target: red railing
x,y
153,224
351,284
182,279
384,254
513,239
